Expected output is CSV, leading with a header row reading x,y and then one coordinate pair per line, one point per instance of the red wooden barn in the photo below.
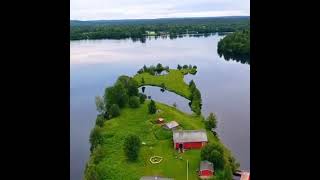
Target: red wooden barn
x,y
206,170
189,139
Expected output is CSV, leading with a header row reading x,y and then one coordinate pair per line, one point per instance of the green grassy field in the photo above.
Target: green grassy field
x,y
173,81
158,142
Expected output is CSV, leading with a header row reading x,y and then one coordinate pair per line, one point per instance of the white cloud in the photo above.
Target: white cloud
x,y
136,9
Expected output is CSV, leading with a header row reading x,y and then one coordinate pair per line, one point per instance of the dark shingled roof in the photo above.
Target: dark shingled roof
x,y
206,165
154,178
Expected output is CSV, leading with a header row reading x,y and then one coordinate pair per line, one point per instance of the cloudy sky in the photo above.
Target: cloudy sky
x,y
149,9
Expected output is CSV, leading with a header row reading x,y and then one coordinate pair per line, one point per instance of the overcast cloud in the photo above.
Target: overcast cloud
x,y
149,9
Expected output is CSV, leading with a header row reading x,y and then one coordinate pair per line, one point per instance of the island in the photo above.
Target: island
x,y
236,46
137,138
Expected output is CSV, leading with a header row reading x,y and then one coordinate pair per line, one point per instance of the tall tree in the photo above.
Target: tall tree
x,y
192,86
152,107
159,68
116,95
214,153
211,122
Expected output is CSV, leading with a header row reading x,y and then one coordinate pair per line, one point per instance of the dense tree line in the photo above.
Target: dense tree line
x,y
123,93
236,46
153,70
136,29
195,98
191,69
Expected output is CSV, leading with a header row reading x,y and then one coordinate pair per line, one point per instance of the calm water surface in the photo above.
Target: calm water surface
x,y
224,86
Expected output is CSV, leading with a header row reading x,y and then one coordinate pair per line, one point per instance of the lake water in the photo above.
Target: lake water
x,y
224,86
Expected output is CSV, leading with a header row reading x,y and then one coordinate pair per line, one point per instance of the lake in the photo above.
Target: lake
x,y
224,86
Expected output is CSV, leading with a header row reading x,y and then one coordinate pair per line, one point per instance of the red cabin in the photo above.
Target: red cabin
x,y
189,139
206,170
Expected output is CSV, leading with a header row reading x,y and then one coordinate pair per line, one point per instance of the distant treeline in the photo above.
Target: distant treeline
x,y
236,46
136,29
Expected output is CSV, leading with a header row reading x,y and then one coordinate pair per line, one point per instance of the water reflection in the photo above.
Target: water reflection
x,y
240,59
224,86
167,97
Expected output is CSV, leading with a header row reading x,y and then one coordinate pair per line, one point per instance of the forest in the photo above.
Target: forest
x,y
138,29
236,46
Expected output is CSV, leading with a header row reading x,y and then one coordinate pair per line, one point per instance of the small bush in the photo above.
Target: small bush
x,y
132,146
96,137
134,102
114,110
152,107
142,97
163,86
98,154
193,71
100,120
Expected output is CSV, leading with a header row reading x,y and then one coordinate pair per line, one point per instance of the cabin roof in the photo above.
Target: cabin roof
x,y
190,136
171,124
154,178
206,165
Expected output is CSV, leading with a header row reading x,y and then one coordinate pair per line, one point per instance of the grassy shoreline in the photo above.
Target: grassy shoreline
x,y
113,163
173,81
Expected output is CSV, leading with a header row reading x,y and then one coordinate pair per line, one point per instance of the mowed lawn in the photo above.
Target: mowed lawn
x,y
173,81
139,122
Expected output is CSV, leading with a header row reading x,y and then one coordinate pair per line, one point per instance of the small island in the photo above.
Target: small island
x,y
136,137
172,81
236,46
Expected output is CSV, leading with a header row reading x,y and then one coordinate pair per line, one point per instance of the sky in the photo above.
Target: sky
x,y
150,9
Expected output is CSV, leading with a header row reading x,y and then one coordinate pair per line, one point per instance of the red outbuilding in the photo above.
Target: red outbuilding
x,y
206,170
189,139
